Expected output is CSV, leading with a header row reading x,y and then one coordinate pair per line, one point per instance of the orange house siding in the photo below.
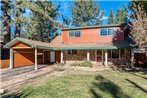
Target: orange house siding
x,y
93,35
4,63
23,57
19,44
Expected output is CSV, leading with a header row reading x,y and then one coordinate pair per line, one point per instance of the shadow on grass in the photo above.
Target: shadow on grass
x,y
139,76
107,86
136,85
22,94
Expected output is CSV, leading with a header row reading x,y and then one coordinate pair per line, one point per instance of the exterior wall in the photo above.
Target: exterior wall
x,y
4,63
19,44
93,35
26,57
57,56
80,56
46,56
23,57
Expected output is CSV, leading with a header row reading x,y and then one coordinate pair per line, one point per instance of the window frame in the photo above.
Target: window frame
x,y
74,35
108,34
72,52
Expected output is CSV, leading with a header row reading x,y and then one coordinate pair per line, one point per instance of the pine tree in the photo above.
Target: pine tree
x,y
85,13
121,15
111,17
139,27
42,25
6,23
141,3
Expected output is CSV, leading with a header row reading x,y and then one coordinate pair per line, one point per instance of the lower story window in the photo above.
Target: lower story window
x,y
72,51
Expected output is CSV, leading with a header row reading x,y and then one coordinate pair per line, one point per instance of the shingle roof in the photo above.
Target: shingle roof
x,y
32,43
57,44
98,26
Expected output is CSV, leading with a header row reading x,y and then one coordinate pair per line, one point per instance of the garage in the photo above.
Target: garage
x,y
25,52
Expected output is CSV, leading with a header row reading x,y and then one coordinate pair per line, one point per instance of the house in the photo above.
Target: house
x,y
94,43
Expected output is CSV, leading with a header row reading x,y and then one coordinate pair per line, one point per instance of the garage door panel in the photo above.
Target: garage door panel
x,y
23,59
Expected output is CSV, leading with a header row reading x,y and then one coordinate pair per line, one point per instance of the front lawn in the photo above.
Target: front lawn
x,y
77,84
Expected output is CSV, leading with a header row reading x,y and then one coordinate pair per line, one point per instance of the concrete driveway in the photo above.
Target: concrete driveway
x,y
10,78
8,73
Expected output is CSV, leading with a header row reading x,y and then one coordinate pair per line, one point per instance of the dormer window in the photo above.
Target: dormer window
x,y
74,34
107,32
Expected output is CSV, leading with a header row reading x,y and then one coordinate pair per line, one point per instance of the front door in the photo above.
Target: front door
x,y
52,56
99,55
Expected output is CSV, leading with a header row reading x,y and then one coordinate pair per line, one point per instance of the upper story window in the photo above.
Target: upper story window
x,y
107,32
76,33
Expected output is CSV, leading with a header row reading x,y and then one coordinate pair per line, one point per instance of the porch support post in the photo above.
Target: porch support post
x,y
106,58
125,53
11,58
43,57
102,56
119,53
88,55
61,59
111,54
132,58
95,55
36,67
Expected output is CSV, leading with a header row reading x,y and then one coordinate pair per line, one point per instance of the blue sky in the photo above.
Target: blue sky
x,y
105,5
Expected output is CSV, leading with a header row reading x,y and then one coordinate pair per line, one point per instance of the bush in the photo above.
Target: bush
x,y
59,67
86,64
75,64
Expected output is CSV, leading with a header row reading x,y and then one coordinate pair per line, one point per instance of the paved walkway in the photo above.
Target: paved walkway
x,y
15,77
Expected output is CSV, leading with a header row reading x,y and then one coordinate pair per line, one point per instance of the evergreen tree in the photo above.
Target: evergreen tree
x,y
85,13
111,17
139,27
121,15
6,20
141,3
42,25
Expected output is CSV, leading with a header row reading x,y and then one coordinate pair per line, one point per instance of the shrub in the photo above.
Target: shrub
x,y
75,64
59,67
86,64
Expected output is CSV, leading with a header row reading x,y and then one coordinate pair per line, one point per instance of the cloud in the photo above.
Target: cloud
x,y
104,18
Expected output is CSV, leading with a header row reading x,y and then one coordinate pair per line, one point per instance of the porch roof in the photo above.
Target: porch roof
x,y
57,44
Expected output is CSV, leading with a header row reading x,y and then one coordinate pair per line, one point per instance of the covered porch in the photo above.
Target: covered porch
x,y
104,57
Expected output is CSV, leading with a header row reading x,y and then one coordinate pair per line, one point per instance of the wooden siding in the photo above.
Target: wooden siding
x,y
20,44
58,56
93,35
5,63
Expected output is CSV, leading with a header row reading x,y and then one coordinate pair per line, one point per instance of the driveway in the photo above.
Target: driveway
x,y
10,78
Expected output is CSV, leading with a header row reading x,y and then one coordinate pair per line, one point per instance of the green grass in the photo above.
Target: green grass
x,y
76,84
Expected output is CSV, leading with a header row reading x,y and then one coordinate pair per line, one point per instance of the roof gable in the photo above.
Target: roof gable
x,y
32,43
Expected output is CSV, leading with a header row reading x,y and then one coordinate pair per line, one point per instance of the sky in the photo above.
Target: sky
x,y
105,5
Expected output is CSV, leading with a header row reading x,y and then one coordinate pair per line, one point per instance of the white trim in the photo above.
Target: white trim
x,y
61,58
11,58
36,67
106,58
88,55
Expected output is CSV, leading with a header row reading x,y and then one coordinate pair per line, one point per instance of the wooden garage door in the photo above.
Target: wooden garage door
x,y
23,58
